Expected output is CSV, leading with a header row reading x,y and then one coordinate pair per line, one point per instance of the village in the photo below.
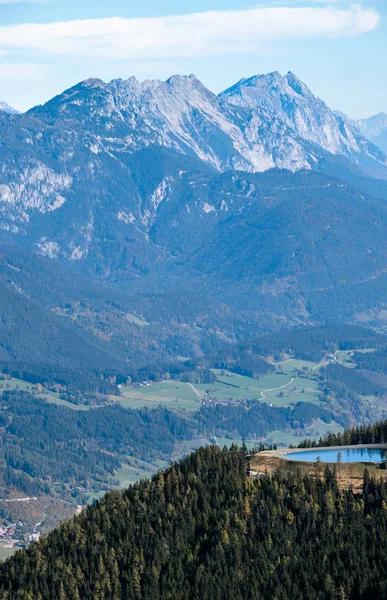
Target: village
x,y
14,535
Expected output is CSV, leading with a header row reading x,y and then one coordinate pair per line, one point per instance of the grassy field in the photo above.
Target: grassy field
x,y
320,428
25,386
276,388
344,357
316,430
186,446
172,394
16,384
59,402
131,318
50,397
135,469
293,363
6,552
127,475
283,438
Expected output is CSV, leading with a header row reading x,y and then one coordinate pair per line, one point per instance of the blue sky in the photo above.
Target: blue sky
x,y
337,47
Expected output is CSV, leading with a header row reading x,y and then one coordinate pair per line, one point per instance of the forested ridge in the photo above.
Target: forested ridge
x,y
41,443
204,530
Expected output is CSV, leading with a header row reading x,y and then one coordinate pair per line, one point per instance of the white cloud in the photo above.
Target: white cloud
x,y
199,34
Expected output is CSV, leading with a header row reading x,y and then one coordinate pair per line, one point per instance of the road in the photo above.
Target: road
x,y
18,499
195,390
334,356
277,388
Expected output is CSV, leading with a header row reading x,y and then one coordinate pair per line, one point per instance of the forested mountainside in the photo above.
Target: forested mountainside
x,y
203,530
58,327
42,443
282,255
63,443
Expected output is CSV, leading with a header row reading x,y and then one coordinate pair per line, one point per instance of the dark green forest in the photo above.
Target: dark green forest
x,y
362,434
42,443
203,530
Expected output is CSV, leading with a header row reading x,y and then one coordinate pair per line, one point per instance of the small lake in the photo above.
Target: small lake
x,y
348,455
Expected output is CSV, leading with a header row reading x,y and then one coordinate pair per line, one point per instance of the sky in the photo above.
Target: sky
x,y
337,47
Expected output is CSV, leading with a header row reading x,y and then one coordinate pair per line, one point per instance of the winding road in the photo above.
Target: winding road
x,y
277,388
328,362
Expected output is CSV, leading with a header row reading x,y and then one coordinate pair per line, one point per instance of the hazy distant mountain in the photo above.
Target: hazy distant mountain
x,y
374,128
8,109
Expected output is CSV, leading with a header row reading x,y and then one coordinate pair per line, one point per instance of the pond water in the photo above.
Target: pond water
x,y
348,455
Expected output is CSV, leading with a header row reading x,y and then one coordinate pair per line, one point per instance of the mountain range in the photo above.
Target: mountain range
x,y
374,128
211,217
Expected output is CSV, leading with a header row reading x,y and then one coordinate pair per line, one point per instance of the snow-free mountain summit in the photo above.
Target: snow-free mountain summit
x,y
148,183
260,123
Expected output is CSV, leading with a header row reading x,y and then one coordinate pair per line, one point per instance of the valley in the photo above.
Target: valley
x,y
119,439
193,306
229,387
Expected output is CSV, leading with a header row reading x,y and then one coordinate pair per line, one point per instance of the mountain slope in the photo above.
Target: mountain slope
x,y
204,530
58,325
47,348
277,237
181,114
151,187
56,151
5,107
89,144
374,128
293,103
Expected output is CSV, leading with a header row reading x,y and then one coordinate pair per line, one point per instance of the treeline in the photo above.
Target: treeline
x,y
48,443
203,530
198,370
251,358
42,443
363,434
312,344
365,383
372,361
257,420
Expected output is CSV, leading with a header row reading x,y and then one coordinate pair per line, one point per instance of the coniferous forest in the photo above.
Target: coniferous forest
x,y
204,530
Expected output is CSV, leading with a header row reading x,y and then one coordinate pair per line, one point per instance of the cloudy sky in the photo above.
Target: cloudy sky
x,y
337,47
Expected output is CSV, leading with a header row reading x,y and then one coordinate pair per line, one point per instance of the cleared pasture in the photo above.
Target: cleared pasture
x,y
276,388
131,318
172,394
293,363
25,386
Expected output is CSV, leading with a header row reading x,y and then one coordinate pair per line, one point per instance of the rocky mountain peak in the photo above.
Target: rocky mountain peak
x,y
307,115
297,85
5,107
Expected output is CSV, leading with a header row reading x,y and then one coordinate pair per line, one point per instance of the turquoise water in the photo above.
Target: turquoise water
x,y
348,455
